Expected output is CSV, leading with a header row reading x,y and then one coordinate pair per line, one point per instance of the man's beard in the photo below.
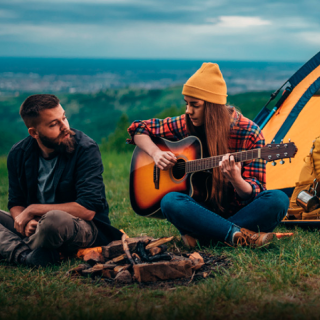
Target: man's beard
x,y
59,144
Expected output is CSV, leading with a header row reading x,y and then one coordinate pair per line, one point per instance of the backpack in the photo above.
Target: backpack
x,y
309,176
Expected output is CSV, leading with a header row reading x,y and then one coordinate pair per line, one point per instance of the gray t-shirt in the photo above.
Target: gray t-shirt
x,y
45,192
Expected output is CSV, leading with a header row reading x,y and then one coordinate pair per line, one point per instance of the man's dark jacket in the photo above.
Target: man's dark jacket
x,y
77,178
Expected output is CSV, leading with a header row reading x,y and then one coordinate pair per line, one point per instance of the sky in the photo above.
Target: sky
x,y
250,30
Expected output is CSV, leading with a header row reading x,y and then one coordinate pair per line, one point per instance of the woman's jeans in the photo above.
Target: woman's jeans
x,y
263,214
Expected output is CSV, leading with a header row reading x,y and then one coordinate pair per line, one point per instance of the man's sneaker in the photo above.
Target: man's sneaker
x,y
253,239
189,241
39,257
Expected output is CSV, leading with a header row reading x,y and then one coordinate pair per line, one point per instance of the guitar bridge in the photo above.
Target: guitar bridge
x,y
156,176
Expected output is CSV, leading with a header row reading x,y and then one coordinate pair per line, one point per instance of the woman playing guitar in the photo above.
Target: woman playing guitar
x,y
240,210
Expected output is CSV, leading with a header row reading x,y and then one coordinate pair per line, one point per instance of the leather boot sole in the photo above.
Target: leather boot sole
x,y
42,257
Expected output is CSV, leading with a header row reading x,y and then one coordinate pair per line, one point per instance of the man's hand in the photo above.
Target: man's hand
x,y
22,219
31,227
164,160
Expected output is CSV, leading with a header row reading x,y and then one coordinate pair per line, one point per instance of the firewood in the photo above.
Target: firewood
x,y
178,258
126,248
93,257
107,273
96,269
160,257
155,250
123,277
136,258
109,265
119,258
82,252
115,248
162,271
197,260
78,270
118,269
158,242
142,252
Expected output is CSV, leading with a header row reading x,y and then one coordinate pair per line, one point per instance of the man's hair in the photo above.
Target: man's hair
x,y
31,107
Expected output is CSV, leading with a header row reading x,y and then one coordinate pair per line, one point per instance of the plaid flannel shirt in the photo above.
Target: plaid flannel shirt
x,y
244,135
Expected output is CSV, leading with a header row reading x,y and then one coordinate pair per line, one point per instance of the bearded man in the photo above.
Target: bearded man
x,y
57,197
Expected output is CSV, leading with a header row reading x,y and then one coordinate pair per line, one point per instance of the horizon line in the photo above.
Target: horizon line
x,y
149,59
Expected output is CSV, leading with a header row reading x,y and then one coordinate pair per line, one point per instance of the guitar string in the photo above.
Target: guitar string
x,y
213,161
205,161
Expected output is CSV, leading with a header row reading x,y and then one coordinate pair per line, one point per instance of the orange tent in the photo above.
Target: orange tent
x,y
296,116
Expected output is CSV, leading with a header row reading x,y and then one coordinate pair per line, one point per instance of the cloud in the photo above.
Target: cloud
x,y
238,21
7,14
311,37
220,29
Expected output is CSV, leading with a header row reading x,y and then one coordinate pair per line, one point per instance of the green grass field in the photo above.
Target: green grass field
x,y
282,281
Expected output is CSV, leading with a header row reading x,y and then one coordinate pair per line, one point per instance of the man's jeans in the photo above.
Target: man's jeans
x,y
55,230
263,214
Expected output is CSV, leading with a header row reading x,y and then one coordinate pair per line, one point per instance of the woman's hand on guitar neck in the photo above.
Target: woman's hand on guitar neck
x,y
231,170
164,160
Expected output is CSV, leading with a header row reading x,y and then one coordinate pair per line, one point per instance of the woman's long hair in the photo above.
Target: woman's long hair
x,y
217,119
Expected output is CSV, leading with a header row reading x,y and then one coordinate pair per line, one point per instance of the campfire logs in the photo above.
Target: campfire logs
x,y
141,259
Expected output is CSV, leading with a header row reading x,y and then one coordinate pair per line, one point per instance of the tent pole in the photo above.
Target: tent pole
x,y
273,111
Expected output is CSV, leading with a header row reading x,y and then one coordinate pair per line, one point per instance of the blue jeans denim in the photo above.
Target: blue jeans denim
x,y
263,214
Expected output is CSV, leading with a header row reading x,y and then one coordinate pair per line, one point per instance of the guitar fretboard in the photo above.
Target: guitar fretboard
x,y
213,162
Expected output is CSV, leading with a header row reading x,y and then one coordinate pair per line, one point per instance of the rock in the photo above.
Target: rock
x,y
124,277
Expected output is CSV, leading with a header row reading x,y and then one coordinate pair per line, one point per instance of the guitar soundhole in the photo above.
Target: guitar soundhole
x,y
178,171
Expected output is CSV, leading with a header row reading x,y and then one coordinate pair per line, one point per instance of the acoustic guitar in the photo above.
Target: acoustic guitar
x,y
190,175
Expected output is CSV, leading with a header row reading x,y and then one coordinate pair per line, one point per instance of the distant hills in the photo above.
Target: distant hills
x,y
18,75
97,114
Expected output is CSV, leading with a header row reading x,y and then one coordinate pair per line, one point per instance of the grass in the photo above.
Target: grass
x,y
282,281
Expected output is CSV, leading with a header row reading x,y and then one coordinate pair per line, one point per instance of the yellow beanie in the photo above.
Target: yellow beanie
x,y
207,84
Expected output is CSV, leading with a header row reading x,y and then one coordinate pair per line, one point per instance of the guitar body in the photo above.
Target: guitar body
x,y
148,184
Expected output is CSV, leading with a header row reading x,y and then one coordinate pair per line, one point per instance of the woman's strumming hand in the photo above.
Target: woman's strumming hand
x,y
164,160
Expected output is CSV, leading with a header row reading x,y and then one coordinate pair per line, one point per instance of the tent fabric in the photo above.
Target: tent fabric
x,y
298,119
296,111
312,64
305,129
276,122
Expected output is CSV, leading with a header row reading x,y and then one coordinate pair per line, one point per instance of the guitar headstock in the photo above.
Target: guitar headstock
x,y
278,151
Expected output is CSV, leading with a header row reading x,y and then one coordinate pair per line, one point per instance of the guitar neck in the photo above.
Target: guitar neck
x,y
213,162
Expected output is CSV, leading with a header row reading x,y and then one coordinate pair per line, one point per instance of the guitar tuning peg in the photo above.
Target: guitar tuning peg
x,y
281,141
281,161
274,163
289,140
273,141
